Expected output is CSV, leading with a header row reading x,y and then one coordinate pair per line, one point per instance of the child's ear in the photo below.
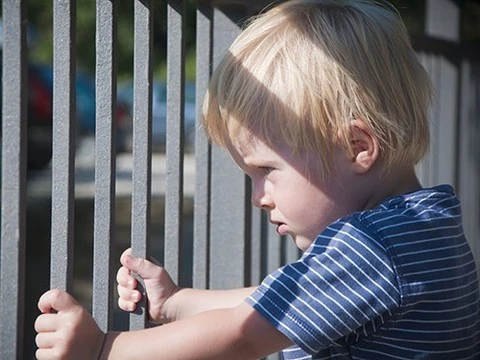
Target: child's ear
x,y
364,147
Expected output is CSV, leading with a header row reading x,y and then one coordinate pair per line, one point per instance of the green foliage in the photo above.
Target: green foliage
x,y
40,15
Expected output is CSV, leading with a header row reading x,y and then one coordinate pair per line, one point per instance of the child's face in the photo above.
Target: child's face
x,y
298,202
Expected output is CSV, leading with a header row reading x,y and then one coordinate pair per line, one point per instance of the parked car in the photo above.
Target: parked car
x,y
159,112
39,110
40,113
86,106
39,125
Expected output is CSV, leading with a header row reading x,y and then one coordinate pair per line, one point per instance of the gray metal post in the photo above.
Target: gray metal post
x,y
442,21
229,204
201,234
175,134
13,192
142,140
63,166
104,213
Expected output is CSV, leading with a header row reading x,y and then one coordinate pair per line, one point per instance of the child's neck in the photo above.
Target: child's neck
x,y
396,182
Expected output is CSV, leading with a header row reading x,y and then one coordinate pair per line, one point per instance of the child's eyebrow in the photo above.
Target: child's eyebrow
x,y
261,162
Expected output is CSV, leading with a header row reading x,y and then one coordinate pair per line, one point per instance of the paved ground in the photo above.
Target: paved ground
x,y
40,184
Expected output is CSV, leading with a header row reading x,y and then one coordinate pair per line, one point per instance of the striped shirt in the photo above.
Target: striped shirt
x,y
395,282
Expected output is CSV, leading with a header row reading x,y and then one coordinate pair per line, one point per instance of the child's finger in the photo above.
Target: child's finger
x,y
44,354
126,305
126,253
154,261
46,323
44,340
56,300
125,279
128,295
144,268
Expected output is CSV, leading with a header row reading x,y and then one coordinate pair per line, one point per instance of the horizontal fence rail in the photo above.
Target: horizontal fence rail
x,y
207,235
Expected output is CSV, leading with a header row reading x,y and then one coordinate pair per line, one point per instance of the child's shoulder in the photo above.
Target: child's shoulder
x,y
421,205
416,229
415,217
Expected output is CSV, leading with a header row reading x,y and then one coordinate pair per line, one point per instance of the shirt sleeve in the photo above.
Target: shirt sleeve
x,y
343,282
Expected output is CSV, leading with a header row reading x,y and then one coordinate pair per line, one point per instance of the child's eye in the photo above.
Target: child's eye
x,y
266,169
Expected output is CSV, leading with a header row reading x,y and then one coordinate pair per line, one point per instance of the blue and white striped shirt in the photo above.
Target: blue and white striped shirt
x,y
395,282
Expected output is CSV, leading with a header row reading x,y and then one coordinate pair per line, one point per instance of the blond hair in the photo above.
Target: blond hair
x,y
300,72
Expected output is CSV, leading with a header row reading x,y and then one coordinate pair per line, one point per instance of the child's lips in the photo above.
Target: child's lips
x,y
282,229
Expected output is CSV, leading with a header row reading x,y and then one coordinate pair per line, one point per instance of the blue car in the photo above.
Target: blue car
x,y
159,112
40,113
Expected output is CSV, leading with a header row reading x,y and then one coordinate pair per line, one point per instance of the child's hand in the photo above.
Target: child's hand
x,y
65,329
159,287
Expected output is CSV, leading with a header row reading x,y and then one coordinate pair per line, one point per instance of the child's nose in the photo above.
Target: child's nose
x,y
260,198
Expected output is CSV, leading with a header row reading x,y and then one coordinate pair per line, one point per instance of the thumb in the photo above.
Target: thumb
x,y
56,300
144,268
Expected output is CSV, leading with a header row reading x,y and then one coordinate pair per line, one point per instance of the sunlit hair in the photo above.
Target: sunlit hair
x,y
300,72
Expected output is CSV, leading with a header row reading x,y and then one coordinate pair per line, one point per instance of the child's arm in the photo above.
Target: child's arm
x,y
166,301
233,333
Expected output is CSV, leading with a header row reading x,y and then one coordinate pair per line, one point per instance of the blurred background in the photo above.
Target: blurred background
x,y
40,72
40,81
39,145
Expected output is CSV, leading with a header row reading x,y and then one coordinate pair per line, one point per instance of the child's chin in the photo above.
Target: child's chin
x,y
301,242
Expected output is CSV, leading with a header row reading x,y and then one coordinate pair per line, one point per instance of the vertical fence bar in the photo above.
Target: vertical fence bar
x,y
257,271
273,257
469,155
273,248
291,251
230,205
429,164
142,139
63,169
423,167
446,78
201,220
104,209
13,194
175,134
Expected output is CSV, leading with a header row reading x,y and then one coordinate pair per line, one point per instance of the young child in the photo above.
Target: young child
x,y
323,104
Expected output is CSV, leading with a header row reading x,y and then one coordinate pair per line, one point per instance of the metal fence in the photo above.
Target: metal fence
x,y
232,243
